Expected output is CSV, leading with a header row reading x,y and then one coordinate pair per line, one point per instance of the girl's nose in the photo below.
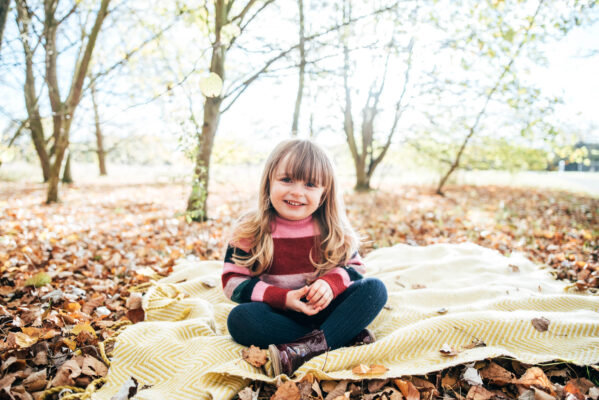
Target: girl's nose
x,y
297,188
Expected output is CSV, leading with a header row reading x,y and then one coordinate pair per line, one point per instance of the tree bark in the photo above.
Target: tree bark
x,y
67,177
31,100
64,112
302,71
197,204
4,6
99,138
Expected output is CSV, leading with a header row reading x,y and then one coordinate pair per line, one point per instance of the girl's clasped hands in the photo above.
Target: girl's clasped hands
x,y
317,297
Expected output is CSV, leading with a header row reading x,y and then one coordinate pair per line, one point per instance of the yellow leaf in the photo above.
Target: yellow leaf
x,y
24,340
38,280
72,307
31,331
71,344
77,329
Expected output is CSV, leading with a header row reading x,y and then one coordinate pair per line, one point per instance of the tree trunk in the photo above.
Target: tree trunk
x,y
67,177
99,138
61,146
302,71
197,204
4,6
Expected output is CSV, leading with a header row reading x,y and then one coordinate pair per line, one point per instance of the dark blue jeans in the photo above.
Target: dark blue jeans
x,y
259,324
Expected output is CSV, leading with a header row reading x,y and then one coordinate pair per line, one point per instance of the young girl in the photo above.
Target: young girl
x,y
293,264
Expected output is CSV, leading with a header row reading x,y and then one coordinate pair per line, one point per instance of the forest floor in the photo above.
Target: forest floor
x,y
67,270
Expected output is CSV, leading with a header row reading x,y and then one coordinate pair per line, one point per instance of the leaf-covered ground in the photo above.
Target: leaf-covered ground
x,y
68,272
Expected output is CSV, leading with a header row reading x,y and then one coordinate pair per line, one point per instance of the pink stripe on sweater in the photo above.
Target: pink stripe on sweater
x,y
283,228
258,292
229,268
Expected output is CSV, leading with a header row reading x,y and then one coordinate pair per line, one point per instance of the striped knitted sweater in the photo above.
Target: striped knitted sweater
x,y
290,269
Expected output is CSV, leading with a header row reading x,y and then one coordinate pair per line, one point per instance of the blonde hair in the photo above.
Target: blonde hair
x,y
305,161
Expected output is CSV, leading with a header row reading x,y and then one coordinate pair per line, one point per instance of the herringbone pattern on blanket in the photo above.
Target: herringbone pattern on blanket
x,y
471,293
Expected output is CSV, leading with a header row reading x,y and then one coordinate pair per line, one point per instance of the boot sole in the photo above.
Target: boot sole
x,y
275,359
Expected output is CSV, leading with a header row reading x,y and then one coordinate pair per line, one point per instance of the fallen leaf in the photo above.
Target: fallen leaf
x,y
442,311
542,395
93,367
360,369
248,394
134,301
448,381
374,385
36,381
496,374
127,390
137,315
38,280
477,392
540,324
254,355
408,389
472,377
448,351
85,327
24,340
582,384
377,369
287,391
66,374
339,390
535,376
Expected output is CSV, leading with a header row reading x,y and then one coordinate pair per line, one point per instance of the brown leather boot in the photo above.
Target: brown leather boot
x,y
288,357
364,337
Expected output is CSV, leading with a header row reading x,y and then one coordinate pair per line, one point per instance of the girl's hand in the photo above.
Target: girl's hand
x,y
320,295
293,301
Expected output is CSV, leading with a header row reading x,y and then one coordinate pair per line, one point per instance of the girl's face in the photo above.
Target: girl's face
x,y
293,199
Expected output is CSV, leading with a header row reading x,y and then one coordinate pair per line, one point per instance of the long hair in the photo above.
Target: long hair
x,y
304,161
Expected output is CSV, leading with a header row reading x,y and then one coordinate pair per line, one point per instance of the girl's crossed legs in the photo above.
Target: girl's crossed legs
x,y
259,324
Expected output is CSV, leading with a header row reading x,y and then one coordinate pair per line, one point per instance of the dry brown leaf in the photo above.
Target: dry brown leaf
x,y
376,369
93,367
477,392
134,301
535,376
85,327
339,390
374,385
448,381
137,315
573,390
24,341
247,394
408,389
66,374
254,356
542,395
540,324
496,374
36,381
287,391
582,384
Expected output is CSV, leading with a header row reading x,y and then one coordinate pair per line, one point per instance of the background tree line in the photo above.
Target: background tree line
x,y
439,76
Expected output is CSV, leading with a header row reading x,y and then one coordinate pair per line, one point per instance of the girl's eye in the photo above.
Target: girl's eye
x,y
310,184
286,180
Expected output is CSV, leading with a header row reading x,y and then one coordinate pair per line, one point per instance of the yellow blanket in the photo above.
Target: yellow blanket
x,y
438,295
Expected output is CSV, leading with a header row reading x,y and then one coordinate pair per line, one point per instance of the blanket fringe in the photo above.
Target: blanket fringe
x,y
84,394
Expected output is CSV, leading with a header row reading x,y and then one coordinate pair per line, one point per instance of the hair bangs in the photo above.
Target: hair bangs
x,y
303,163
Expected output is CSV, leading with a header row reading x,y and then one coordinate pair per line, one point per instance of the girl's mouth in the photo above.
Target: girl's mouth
x,y
293,203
